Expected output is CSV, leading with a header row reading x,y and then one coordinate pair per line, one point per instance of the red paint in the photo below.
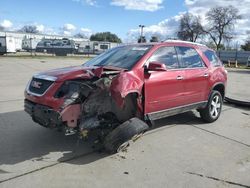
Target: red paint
x,y
161,89
125,83
71,114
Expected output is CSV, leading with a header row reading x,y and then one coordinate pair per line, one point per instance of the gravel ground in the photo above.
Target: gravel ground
x,y
239,84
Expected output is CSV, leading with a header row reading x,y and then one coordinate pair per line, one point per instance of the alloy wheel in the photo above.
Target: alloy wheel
x,y
215,106
123,147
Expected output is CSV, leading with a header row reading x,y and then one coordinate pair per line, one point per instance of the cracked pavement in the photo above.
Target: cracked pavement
x,y
181,151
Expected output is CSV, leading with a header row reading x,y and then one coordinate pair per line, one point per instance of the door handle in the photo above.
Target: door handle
x,y
206,75
179,78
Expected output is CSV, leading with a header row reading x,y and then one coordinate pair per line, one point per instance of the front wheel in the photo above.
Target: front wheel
x,y
119,138
213,109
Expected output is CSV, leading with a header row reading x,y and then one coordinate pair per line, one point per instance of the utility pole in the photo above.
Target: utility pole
x,y
236,50
6,43
141,27
31,46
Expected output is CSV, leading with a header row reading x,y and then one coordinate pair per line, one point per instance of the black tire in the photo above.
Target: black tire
x,y
213,109
123,133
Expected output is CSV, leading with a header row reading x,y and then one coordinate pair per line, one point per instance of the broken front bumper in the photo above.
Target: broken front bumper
x,y
42,115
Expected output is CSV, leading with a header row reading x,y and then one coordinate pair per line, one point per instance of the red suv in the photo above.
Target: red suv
x,y
115,93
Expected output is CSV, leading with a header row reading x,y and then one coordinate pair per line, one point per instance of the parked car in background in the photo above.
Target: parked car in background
x,y
121,92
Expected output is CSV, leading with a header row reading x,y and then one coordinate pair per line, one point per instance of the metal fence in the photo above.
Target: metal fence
x,y
241,56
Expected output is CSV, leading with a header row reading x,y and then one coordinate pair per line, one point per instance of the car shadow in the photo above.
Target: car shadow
x,y
238,106
21,140
184,118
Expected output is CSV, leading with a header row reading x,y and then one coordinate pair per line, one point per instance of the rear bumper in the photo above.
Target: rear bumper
x,y
42,115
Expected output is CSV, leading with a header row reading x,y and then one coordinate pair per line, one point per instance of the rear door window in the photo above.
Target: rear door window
x,y
167,56
213,58
189,57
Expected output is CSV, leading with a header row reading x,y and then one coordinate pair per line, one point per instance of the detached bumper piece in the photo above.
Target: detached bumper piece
x,y
42,115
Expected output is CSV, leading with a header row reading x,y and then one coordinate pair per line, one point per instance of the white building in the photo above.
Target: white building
x,y
29,41
8,44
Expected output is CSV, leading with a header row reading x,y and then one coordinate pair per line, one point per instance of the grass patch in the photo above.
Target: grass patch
x,y
239,67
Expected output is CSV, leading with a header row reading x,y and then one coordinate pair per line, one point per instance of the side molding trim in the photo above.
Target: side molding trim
x,y
173,111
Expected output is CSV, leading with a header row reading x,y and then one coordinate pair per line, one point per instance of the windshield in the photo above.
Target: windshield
x,y
122,57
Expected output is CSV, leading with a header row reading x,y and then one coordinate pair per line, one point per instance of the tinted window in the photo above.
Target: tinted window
x,y
167,56
123,57
104,47
189,58
212,57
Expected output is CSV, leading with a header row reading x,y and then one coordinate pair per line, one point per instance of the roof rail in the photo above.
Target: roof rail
x,y
186,42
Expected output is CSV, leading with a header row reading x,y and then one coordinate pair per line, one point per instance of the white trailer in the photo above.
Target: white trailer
x,y
29,44
7,45
95,47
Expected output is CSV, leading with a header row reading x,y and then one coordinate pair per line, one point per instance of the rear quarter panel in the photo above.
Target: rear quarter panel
x,y
217,75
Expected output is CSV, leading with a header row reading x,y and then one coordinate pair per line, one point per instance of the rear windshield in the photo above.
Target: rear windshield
x,y
122,57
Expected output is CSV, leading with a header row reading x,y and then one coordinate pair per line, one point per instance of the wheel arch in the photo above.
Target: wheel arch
x,y
220,87
136,97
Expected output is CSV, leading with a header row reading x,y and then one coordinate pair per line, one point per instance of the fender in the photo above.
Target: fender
x,y
124,84
216,85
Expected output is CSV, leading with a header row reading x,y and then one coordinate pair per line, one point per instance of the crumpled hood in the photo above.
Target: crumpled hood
x,y
74,72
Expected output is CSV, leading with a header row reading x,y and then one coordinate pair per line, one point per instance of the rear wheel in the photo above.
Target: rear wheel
x,y
213,109
119,138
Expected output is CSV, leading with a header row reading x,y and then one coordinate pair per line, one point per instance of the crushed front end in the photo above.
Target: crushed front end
x,y
77,101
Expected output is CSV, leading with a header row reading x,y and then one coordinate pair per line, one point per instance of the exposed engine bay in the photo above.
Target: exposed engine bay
x,y
87,105
97,108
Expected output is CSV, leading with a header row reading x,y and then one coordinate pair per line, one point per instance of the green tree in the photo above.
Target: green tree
x,y
105,36
246,46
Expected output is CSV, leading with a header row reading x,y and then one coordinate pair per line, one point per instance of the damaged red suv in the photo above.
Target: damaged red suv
x,y
119,93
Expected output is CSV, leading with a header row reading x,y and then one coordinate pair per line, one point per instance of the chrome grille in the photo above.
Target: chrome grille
x,y
39,86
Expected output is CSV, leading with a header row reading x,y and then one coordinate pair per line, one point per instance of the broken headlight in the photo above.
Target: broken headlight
x,y
67,89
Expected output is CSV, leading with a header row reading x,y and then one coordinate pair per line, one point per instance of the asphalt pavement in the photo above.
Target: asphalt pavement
x,y
238,88
181,151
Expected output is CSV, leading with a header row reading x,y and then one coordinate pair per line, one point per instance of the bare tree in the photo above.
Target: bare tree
x,y
190,28
221,21
29,29
81,35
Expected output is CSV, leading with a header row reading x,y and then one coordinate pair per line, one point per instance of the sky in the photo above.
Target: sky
x,y
122,17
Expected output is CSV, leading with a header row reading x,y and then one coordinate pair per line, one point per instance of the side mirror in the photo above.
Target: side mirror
x,y
156,66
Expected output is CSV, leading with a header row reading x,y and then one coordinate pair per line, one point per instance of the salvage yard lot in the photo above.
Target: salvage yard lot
x,y
181,151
